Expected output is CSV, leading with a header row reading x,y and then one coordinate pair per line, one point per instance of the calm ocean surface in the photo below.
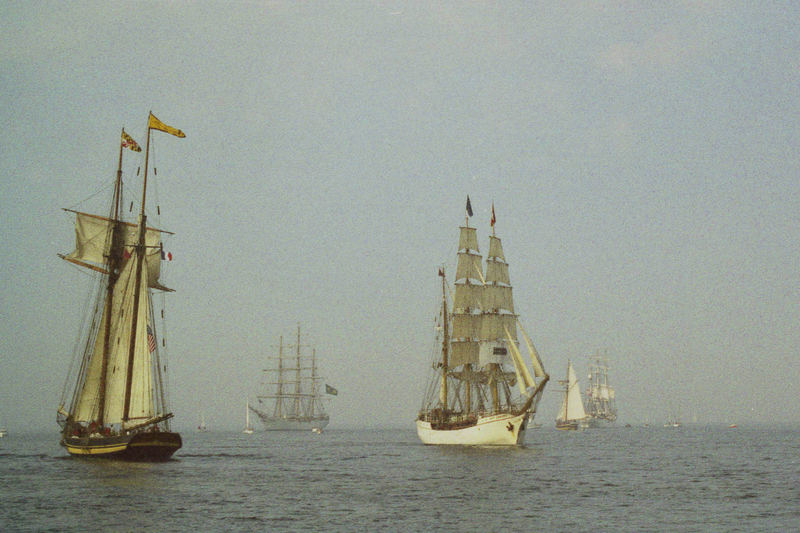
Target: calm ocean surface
x,y
616,479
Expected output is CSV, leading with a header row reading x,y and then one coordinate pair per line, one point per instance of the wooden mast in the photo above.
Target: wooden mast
x,y
297,376
494,368
279,400
445,342
140,251
113,275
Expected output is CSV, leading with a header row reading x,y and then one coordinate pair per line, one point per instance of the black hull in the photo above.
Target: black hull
x,y
146,446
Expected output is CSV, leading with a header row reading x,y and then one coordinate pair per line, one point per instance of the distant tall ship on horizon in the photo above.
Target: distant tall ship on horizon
x,y
601,405
296,399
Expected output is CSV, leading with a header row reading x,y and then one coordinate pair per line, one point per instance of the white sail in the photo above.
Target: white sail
x,y
141,401
468,239
538,368
467,297
574,404
523,376
469,267
93,243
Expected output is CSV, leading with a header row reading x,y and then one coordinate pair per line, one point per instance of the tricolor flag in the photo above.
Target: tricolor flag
x,y
493,217
330,390
151,339
155,124
129,143
469,207
166,256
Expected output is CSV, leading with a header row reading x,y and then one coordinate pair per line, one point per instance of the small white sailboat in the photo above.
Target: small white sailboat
x,y
202,426
248,429
572,414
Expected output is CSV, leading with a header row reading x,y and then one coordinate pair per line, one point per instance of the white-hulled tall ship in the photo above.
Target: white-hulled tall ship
x,y
116,407
471,398
601,406
295,398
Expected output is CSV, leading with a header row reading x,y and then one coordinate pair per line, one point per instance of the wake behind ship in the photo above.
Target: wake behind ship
x,y
117,408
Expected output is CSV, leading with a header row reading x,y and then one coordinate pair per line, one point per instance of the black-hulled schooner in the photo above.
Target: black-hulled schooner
x,y
117,405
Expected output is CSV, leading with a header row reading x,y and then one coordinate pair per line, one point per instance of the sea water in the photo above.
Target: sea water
x,y
691,478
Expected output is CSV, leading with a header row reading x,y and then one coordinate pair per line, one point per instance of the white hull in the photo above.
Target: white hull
x,y
288,424
495,430
592,422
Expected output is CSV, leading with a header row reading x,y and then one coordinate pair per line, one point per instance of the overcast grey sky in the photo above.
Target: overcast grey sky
x,y
642,159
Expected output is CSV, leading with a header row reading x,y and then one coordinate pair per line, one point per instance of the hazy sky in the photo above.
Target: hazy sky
x,y
642,159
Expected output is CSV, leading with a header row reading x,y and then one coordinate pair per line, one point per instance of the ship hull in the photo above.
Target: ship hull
x,y
567,425
146,447
592,422
496,430
292,424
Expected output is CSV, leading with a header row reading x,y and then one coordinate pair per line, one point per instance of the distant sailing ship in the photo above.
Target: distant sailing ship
x,y
118,405
601,406
571,415
297,403
471,398
202,426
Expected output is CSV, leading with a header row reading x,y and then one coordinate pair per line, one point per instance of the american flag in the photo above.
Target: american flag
x,y
151,339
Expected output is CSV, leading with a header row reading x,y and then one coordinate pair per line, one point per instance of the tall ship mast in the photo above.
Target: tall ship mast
x,y
293,395
601,406
571,415
478,368
117,405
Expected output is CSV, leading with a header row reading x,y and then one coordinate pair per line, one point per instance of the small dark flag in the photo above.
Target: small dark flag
x,y
493,217
151,339
330,390
469,207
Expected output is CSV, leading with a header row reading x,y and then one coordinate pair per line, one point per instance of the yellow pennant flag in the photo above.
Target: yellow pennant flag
x,y
156,124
